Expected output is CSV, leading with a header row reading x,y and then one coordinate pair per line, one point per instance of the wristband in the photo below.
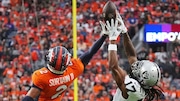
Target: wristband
x,y
112,47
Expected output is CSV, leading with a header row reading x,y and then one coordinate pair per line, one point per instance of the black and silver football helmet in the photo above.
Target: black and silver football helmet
x,y
147,73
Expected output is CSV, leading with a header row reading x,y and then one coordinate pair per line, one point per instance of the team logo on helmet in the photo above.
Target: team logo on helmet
x,y
51,55
145,75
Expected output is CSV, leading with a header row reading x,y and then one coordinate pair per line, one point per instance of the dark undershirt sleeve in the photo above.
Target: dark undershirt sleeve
x,y
28,98
87,56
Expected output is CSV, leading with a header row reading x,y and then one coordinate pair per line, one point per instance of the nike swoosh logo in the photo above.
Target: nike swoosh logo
x,y
114,34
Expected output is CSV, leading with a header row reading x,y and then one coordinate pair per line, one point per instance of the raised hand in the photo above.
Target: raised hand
x,y
121,28
103,27
112,29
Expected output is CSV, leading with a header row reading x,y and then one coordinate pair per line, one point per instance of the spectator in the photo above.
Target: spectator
x,y
98,87
11,30
9,72
105,96
132,23
151,55
174,58
82,47
5,3
142,54
161,55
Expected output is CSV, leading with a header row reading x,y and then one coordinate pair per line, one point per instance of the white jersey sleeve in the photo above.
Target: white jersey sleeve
x,y
134,90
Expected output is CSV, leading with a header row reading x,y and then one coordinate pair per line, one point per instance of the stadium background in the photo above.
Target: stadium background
x,y
28,28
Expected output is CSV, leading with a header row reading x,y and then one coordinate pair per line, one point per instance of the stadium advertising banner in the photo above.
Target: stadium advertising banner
x,y
161,32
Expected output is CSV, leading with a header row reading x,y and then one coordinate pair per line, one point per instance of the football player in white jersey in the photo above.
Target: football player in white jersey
x,y
141,83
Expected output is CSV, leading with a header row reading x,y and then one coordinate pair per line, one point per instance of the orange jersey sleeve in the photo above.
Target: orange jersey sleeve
x,y
76,67
52,85
37,78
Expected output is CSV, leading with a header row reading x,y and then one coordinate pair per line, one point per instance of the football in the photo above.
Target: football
x,y
109,11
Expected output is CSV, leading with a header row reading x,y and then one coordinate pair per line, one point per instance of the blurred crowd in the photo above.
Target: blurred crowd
x,y
28,28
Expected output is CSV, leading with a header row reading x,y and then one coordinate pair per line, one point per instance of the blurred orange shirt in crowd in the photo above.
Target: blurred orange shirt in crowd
x,y
14,2
97,88
9,72
178,93
1,48
106,78
25,79
151,57
105,98
34,55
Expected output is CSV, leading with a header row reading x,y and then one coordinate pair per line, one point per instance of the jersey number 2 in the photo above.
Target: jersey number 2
x,y
59,90
130,87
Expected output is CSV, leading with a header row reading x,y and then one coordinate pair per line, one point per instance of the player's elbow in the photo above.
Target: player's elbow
x,y
119,76
113,66
132,59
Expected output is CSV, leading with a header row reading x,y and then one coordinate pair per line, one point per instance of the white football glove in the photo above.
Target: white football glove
x,y
112,29
121,28
104,30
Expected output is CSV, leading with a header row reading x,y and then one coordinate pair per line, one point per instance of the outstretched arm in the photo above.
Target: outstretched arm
x,y
117,72
32,94
129,49
87,56
128,46
112,55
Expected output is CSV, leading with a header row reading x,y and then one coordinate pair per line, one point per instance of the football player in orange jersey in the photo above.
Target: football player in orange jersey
x,y
51,82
